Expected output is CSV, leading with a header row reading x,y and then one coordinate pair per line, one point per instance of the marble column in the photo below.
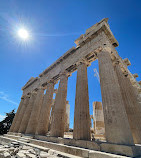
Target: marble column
x,y
21,114
34,117
43,123
17,115
58,119
81,114
133,109
27,113
117,129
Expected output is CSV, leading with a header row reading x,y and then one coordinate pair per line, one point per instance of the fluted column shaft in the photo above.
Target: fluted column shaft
x,y
58,119
132,106
117,129
17,115
21,114
43,123
34,117
81,114
27,113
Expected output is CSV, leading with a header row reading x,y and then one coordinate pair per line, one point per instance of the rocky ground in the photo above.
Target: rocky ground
x,y
16,150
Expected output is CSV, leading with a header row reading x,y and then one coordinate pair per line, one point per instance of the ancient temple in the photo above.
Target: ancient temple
x,y
120,99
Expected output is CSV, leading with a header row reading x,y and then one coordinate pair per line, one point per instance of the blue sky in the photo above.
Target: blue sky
x,y
54,25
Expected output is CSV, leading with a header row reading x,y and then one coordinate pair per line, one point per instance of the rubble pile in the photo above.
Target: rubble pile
x,y
17,150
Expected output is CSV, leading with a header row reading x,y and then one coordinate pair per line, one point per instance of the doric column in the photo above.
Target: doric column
x,y
34,117
21,114
27,113
58,119
81,114
131,104
117,129
43,123
17,115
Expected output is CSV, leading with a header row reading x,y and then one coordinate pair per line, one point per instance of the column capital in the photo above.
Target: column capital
x,y
107,49
51,81
66,73
83,61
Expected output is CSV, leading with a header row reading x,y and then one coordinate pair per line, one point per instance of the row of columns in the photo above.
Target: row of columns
x,y
121,110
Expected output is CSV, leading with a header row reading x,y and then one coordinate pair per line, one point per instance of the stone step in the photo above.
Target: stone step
x,y
27,136
67,150
24,140
64,155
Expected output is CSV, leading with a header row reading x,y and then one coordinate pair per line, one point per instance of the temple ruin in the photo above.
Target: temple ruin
x,y
120,99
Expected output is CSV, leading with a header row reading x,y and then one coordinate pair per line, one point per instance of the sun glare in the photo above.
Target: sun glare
x,y
23,34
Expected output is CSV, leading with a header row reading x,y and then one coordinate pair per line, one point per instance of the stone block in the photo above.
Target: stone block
x,y
121,149
3,150
98,154
20,155
6,146
30,155
24,151
93,145
26,147
6,155
51,152
11,149
44,154
32,151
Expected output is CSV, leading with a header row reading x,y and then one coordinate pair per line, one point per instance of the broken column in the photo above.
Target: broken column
x,y
117,129
81,114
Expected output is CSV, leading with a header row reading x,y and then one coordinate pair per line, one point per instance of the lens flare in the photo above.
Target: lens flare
x,y
23,34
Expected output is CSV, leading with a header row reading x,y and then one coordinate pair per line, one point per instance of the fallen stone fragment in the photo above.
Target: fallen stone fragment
x,y
20,155
51,152
44,155
11,148
30,155
3,150
26,147
24,151
6,155
6,146
32,151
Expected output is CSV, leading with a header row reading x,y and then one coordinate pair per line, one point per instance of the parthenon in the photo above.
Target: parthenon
x,y
120,100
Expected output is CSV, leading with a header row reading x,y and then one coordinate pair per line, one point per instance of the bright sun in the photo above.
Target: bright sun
x,y
23,34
